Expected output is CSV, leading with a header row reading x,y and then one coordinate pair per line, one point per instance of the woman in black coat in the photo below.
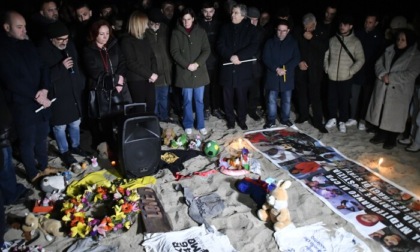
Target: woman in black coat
x,y
238,41
140,61
103,55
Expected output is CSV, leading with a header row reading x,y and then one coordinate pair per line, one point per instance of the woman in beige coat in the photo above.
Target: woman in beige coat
x,y
396,71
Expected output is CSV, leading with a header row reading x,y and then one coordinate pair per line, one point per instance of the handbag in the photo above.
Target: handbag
x,y
345,48
104,99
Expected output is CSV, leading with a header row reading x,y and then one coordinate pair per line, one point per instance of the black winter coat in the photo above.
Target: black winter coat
x,y
22,75
241,40
67,87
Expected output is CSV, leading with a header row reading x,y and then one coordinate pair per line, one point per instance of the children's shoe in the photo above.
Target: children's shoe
x,y
188,131
331,123
342,127
203,131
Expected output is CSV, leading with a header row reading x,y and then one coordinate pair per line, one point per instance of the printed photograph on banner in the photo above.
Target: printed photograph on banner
x,y
279,154
305,169
366,222
393,240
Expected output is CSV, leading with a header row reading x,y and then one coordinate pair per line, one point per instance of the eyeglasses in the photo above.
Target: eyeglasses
x,y
62,39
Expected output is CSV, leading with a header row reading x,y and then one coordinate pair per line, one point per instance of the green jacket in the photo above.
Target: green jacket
x,y
187,49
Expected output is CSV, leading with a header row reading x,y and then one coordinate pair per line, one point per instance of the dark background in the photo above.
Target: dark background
x,y
358,8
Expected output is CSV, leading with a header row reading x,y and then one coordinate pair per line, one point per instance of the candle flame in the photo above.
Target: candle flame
x,y
113,163
380,161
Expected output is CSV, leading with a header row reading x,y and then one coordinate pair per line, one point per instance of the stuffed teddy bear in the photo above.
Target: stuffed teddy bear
x,y
275,208
168,135
47,226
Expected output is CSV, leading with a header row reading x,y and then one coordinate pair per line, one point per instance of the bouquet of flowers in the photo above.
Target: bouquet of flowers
x,y
118,206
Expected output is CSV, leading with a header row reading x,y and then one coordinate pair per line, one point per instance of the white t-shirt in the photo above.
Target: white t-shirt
x,y
193,239
317,238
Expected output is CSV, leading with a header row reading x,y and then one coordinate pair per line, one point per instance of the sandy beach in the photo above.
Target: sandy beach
x,y
238,219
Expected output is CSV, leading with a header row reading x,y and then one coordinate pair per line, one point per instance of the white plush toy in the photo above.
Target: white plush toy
x,y
53,183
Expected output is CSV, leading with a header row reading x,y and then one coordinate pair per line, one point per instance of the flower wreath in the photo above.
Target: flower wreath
x,y
119,207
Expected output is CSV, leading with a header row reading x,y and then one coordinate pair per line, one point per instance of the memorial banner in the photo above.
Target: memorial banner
x,y
378,208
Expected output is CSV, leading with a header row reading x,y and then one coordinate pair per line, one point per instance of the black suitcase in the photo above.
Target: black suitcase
x,y
139,142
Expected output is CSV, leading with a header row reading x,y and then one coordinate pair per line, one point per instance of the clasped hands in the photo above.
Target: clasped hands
x,y
235,60
280,71
192,67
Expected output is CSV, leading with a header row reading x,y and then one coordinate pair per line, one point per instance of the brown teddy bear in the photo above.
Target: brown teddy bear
x,y
275,208
47,226
168,134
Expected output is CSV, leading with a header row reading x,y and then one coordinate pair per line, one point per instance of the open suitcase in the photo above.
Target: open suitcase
x,y
139,142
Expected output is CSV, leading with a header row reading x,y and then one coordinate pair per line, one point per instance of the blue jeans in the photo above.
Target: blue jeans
x,y
9,187
161,108
285,102
61,136
188,119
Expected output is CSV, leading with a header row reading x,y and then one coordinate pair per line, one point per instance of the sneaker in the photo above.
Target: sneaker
x,y
342,127
79,151
351,122
288,123
413,148
405,141
331,123
68,158
362,125
188,131
203,131
206,114
269,125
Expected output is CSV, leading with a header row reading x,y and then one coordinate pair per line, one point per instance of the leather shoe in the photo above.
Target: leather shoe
x,y
24,196
254,116
218,113
301,119
377,140
322,129
243,126
230,125
389,146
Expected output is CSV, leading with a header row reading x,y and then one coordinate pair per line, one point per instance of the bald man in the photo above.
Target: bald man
x,y
25,81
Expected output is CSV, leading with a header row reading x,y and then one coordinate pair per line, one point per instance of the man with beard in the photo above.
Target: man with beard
x,y
60,55
48,13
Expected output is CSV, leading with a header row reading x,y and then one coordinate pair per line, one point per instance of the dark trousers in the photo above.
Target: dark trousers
x,y
254,95
9,187
143,92
2,219
33,146
176,100
213,93
229,95
339,93
308,92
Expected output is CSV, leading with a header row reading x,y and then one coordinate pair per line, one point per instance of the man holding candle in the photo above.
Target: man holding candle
x,y
281,56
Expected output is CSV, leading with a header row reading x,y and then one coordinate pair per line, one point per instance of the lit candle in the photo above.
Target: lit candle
x,y
380,162
284,75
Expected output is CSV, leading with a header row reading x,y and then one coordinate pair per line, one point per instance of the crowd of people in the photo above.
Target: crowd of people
x,y
224,59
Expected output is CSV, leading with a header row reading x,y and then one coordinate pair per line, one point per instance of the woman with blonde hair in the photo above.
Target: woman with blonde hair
x,y
140,61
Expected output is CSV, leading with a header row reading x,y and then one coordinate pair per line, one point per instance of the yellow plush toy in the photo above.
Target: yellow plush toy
x,y
275,208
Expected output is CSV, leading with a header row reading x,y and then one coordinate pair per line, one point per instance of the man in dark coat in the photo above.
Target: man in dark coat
x,y
281,56
48,14
60,55
212,93
238,41
313,43
25,82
